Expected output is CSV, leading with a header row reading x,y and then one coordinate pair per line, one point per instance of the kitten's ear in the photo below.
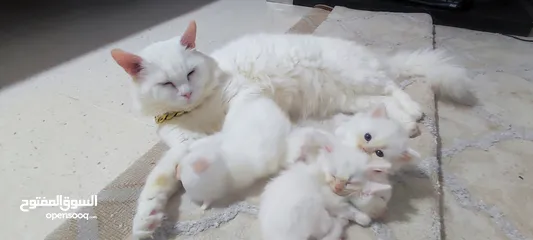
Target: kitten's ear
x,y
380,111
328,148
410,155
129,61
378,169
188,39
200,165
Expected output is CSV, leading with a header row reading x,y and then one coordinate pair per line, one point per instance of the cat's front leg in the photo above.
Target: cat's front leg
x,y
174,135
160,184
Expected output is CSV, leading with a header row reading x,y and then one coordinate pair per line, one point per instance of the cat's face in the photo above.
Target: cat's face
x,y
379,136
344,168
169,75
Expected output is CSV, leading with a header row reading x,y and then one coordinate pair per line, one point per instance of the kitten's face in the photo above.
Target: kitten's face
x,y
379,136
169,75
344,168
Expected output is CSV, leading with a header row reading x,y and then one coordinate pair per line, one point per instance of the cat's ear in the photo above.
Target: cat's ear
x,y
188,39
200,165
130,62
378,169
410,155
380,111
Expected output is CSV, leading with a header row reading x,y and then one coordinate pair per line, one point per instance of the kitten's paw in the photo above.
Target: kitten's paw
x,y
380,214
148,218
362,219
415,111
205,206
413,129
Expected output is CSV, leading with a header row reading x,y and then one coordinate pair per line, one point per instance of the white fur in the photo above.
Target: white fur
x,y
209,184
250,146
304,143
374,198
307,76
387,136
300,203
447,79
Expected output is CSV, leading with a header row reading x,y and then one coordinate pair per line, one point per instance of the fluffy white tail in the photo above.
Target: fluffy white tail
x,y
447,80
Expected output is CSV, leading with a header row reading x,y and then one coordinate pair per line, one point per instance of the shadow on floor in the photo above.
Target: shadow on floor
x,y
36,36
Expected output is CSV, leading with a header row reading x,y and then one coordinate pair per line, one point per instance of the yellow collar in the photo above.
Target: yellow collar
x,y
168,116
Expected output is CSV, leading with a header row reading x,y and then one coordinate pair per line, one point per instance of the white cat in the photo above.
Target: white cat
x,y
307,76
250,146
310,200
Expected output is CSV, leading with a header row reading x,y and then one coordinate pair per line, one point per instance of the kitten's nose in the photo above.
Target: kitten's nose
x,y
338,187
187,95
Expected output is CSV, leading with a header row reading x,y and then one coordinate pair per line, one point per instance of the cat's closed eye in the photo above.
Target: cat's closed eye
x,y
171,84
190,74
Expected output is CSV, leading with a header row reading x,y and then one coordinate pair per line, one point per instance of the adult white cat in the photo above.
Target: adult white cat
x,y
305,75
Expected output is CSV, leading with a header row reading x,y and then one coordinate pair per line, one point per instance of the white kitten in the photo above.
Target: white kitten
x,y
305,75
250,146
310,200
304,144
379,136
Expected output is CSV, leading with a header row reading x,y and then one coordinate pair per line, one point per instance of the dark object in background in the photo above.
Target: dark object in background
x,y
498,16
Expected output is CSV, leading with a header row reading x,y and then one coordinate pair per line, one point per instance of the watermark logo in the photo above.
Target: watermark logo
x,y
64,203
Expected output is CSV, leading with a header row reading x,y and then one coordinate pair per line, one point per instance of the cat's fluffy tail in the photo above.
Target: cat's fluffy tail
x,y
448,81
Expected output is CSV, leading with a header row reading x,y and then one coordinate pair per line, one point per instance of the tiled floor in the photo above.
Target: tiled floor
x,y
66,125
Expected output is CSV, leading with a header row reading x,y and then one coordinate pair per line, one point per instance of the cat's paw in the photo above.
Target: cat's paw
x,y
148,218
362,219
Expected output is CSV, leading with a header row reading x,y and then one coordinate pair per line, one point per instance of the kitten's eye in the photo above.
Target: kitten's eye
x,y
189,75
379,153
168,84
368,137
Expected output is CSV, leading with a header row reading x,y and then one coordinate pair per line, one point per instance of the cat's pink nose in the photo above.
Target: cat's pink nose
x,y
187,95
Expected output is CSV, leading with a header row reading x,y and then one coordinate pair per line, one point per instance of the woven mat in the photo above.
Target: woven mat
x,y
117,201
